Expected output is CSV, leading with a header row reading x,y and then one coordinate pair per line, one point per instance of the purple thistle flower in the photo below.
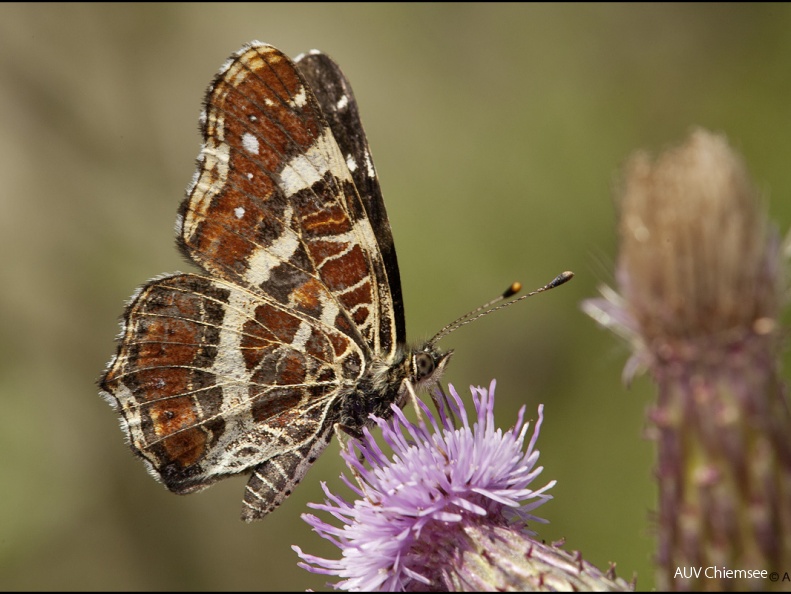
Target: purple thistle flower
x,y
447,510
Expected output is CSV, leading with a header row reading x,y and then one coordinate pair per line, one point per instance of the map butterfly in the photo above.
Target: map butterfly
x,y
295,325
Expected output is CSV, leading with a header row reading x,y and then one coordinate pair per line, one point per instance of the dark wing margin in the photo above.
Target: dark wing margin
x,y
335,96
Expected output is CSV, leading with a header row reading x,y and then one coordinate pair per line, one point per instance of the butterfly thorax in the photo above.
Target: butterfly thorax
x,y
387,382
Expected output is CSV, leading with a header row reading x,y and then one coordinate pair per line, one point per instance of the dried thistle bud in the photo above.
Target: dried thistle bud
x,y
695,243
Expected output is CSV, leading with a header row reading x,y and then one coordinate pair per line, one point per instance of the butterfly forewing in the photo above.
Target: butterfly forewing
x,y
268,209
245,367
335,96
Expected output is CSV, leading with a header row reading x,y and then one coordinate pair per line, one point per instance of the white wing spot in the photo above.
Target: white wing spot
x,y
262,261
253,118
304,170
351,163
239,212
250,143
301,98
342,102
249,176
369,166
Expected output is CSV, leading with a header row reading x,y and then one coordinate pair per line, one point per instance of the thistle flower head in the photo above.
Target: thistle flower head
x,y
416,509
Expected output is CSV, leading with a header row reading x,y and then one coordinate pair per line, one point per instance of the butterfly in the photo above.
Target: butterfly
x,y
295,324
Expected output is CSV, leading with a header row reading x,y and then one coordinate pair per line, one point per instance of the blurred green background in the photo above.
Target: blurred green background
x,y
497,132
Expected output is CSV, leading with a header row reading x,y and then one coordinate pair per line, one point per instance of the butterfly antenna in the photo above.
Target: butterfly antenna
x,y
491,306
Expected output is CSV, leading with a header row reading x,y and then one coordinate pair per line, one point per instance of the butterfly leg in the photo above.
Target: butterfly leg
x,y
415,401
345,432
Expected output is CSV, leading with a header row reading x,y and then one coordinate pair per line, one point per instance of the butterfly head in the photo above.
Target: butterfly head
x,y
427,364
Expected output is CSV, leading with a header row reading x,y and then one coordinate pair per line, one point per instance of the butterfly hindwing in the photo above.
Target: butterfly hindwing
x,y
208,381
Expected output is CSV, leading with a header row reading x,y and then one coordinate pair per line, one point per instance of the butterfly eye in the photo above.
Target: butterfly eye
x,y
424,365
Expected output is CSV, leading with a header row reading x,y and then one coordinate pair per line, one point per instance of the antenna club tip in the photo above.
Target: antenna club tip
x,y
512,290
561,278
